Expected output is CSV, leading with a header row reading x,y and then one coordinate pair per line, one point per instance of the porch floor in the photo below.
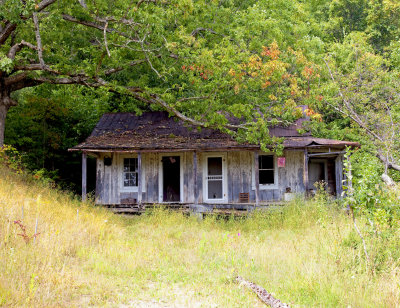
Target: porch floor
x,y
203,208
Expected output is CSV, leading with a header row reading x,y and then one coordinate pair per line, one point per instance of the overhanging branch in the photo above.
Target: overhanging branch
x,y
97,26
17,47
7,30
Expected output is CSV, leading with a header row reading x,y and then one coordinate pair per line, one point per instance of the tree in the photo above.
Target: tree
x,y
163,54
367,92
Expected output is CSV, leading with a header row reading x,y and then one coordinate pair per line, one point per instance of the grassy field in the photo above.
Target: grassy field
x,y
306,255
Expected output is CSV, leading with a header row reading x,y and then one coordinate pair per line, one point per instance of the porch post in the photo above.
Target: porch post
x,y
139,178
257,178
84,176
306,170
196,190
339,176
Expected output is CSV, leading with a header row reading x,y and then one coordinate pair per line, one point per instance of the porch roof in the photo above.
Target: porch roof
x,y
157,131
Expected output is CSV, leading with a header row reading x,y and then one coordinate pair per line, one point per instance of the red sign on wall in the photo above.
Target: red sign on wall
x,y
281,162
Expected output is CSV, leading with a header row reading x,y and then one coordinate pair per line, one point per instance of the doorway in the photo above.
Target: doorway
x,y
316,173
171,184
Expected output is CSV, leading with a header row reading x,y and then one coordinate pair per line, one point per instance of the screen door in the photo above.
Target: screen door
x,y
215,178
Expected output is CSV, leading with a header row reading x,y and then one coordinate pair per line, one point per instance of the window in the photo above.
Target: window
x,y
130,172
266,169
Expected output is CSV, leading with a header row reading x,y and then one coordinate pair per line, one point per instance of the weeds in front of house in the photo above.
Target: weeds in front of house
x,y
306,253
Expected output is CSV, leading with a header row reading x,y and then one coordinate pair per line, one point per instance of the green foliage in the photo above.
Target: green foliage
x,y
243,58
375,204
10,157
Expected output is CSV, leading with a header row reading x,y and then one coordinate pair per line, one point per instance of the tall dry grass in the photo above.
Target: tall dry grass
x,y
307,254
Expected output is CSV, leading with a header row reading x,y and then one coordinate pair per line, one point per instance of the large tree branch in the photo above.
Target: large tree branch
x,y
6,31
390,164
38,39
97,26
43,4
23,80
17,47
28,67
9,81
9,27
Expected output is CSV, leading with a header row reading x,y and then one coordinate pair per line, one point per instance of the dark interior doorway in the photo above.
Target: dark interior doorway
x,y
171,178
322,170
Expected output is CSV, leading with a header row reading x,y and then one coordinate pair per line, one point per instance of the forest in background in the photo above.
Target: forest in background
x,y
65,63
341,58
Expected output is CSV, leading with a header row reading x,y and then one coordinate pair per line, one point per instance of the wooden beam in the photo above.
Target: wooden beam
x,y
339,176
196,189
84,176
306,169
139,178
326,153
257,177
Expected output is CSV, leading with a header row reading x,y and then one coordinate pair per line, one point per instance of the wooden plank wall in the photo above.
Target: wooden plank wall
x,y
239,175
239,178
292,175
188,178
151,165
200,159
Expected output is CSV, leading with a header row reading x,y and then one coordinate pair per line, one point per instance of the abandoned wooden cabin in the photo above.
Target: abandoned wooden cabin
x,y
155,158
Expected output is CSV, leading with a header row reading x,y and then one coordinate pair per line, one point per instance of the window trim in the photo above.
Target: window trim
x,y
121,173
276,174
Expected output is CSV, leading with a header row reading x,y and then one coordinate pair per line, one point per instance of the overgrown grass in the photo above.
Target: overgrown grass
x,y
307,254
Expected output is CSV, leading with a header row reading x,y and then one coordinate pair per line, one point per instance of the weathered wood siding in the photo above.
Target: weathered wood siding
x,y
292,175
239,177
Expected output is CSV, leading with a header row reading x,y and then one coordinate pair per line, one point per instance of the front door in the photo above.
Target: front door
x,y
171,166
215,179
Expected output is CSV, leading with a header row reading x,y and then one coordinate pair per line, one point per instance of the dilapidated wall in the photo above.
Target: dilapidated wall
x,y
240,168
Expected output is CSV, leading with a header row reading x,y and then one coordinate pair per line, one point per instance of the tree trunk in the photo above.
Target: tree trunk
x,y
390,165
388,180
3,113
5,103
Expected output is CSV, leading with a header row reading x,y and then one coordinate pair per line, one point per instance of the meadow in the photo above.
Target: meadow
x,y
306,254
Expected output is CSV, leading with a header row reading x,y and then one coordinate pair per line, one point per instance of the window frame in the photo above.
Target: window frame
x,y
136,172
276,176
121,175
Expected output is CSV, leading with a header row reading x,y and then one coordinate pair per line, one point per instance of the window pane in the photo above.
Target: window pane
x,y
215,166
266,162
130,172
267,177
215,189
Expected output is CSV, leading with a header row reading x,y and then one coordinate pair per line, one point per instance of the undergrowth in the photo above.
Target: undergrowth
x,y
305,253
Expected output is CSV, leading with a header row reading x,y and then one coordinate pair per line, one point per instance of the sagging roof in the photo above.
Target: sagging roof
x,y
157,131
